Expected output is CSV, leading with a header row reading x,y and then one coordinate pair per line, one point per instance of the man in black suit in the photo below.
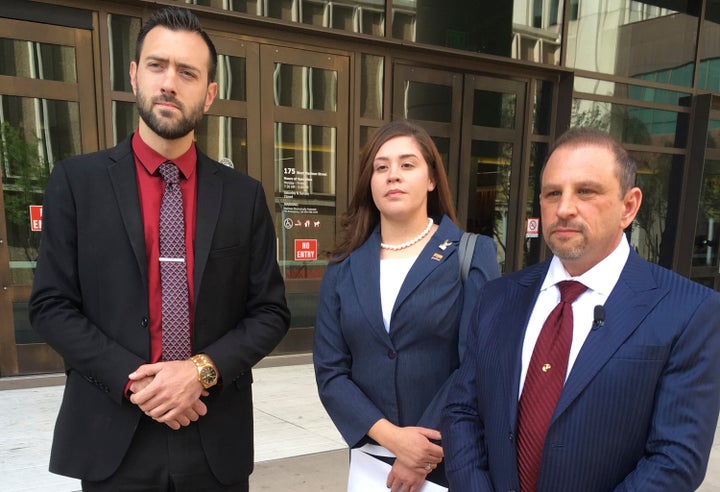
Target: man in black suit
x,y
133,416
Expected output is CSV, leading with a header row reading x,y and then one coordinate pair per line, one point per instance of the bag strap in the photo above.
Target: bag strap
x,y
465,252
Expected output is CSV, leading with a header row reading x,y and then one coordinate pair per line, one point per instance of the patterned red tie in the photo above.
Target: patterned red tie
x,y
543,384
173,271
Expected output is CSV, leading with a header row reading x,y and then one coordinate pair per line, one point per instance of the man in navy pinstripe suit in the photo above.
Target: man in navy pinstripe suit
x,y
641,396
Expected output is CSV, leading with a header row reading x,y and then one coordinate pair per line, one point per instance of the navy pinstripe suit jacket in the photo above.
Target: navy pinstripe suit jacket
x,y
637,412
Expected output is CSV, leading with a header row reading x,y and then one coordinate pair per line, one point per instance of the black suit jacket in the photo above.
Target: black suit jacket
x,y
90,303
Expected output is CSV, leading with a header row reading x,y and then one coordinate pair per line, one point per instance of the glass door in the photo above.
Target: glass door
x,y
43,71
304,134
478,125
492,148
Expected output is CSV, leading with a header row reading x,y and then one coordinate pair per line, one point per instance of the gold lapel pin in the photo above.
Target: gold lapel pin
x,y
437,256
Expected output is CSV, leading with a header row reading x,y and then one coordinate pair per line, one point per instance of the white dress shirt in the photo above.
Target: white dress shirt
x,y
600,281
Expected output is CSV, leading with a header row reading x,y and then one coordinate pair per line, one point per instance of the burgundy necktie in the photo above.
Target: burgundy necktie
x,y
543,384
173,271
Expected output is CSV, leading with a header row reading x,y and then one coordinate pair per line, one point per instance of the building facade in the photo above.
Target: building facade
x,y
302,83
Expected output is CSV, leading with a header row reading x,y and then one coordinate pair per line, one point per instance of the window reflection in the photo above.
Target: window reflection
x,y
305,197
224,139
35,134
709,70
648,229
51,125
35,60
426,101
489,192
635,39
629,124
494,109
125,119
371,87
305,87
707,232
122,36
231,78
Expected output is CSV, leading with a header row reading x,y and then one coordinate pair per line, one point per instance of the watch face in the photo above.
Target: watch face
x,y
208,375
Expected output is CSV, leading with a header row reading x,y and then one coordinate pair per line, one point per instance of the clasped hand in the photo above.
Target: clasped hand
x,y
168,392
416,456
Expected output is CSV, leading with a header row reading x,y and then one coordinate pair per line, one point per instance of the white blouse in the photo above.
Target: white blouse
x,y
392,275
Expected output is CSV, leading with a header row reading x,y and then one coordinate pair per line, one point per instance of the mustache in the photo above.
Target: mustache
x,y
168,99
578,226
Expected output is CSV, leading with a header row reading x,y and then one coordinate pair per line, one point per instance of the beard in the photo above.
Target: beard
x,y
161,123
566,250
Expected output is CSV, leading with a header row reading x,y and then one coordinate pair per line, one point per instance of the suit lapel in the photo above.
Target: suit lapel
x,y
365,268
209,199
633,297
430,258
124,183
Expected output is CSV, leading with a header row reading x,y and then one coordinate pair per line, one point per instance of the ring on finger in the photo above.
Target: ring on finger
x,y
428,467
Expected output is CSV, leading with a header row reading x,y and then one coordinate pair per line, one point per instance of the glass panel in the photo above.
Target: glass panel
x,y
305,87
282,9
305,194
485,27
316,13
709,70
371,86
648,230
533,238
489,192
51,125
125,117
630,124
494,109
122,34
543,108
247,6
635,39
631,91
536,31
231,78
707,226
443,146
372,18
24,176
713,137
343,17
367,17
33,60
428,102
224,139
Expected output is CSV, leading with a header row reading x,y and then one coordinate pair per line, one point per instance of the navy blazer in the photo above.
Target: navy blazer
x,y
365,374
90,303
638,410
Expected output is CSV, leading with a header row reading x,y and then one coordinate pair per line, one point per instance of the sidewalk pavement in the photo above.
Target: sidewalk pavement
x,y
297,448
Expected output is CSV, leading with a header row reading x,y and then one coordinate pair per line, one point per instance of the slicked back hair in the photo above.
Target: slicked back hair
x,y
575,137
178,19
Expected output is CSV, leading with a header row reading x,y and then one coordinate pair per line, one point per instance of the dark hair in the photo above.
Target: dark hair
x,y
362,216
626,166
177,19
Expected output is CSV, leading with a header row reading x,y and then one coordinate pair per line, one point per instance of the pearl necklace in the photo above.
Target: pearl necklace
x,y
407,244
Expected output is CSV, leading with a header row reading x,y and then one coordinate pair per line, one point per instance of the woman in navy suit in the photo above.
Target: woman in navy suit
x,y
390,327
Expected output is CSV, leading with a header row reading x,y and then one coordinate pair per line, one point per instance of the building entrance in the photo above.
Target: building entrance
x,y
479,126
43,71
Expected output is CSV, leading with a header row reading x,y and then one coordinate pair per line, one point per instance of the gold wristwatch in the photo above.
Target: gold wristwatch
x,y
207,375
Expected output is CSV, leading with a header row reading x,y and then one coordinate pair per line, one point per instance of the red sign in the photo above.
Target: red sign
x,y
305,249
36,217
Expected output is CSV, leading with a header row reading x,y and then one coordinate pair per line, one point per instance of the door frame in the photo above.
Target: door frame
x,y
39,357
